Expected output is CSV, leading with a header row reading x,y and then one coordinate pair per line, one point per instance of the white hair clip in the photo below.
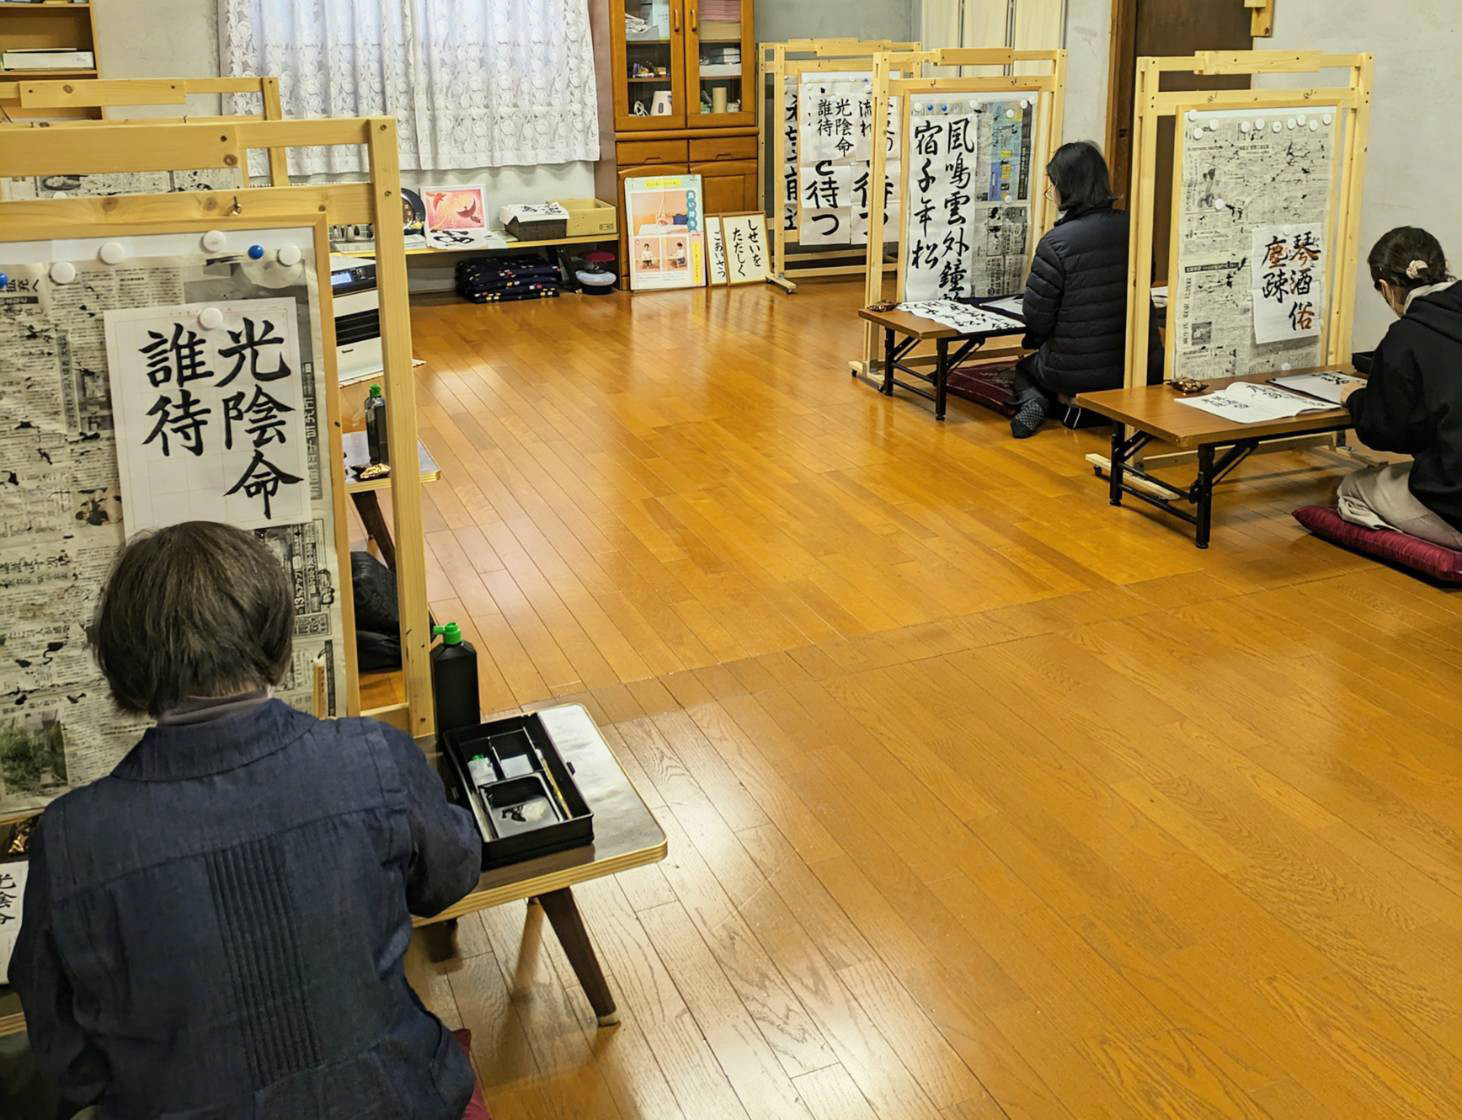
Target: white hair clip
x,y
1415,269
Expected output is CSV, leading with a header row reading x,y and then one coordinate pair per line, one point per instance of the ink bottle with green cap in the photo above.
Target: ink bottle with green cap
x,y
377,444
454,679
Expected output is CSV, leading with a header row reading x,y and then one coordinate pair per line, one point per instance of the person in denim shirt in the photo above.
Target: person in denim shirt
x,y
216,930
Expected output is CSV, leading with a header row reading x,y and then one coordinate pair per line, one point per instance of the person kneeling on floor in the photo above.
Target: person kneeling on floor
x,y
1412,403
1075,303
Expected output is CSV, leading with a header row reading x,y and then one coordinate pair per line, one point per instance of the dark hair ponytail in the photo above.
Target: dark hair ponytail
x,y
1407,258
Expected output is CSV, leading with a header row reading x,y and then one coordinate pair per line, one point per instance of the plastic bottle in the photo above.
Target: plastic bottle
x,y
375,418
454,679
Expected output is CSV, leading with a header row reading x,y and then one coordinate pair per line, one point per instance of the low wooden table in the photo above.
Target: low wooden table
x,y
626,835
1155,413
903,331
363,494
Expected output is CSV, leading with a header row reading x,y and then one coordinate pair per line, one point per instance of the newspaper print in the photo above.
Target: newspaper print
x,y
968,217
61,513
1245,172
102,184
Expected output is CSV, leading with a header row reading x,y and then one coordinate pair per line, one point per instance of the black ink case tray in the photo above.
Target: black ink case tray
x,y
532,806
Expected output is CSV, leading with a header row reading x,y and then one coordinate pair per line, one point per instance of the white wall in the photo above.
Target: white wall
x,y
1088,47
1415,160
179,38
809,19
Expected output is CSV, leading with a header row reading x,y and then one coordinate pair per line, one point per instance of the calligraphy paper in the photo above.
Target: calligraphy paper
x,y
716,257
1287,280
963,317
834,153
1247,403
746,252
967,217
12,900
210,423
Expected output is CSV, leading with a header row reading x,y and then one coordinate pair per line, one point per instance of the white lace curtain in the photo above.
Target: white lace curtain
x,y
472,83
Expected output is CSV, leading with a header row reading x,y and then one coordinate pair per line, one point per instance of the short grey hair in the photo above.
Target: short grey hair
x,y
197,610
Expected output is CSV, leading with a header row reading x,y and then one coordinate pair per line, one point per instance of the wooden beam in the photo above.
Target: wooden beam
x,y
93,93
400,376
79,151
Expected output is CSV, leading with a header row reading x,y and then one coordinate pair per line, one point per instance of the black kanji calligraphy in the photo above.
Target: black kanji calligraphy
x,y
249,342
175,358
182,420
262,479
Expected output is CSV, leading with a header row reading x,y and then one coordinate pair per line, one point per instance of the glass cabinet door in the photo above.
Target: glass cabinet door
x,y
721,63
650,92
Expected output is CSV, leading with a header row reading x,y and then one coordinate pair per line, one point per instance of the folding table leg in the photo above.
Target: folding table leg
x,y
1203,495
941,378
1114,470
890,356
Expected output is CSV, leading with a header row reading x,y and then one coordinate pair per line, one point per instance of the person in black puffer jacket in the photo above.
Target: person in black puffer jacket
x,y
1412,402
1075,303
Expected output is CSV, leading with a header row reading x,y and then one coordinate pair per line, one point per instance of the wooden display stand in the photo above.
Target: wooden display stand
x,y
1351,103
1048,89
34,97
225,144
813,56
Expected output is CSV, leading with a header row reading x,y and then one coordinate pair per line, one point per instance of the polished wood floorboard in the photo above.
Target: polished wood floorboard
x,y
984,800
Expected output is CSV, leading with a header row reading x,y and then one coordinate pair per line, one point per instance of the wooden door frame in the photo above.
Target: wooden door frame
x,y
1122,44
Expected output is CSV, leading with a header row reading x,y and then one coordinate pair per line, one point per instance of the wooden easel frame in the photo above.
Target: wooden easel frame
x,y
1351,104
102,148
1049,92
814,56
118,93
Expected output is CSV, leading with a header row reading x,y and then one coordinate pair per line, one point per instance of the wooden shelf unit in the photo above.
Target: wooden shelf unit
x,y
719,147
53,26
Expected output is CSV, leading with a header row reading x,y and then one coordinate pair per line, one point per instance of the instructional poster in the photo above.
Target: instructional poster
x,y
666,232
1250,292
968,203
62,502
833,167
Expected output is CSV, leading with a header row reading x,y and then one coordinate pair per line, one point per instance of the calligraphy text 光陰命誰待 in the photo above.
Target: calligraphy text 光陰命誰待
x,y
178,357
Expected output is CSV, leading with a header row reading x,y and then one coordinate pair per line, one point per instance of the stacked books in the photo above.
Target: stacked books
x,y
47,58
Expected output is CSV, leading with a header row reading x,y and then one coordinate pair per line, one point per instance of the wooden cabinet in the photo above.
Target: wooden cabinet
x,y
683,74
682,64
728,187
53,26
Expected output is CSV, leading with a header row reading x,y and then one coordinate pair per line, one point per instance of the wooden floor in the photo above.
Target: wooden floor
x,y
984,799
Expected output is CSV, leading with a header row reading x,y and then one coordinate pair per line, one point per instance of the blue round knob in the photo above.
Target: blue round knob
x,y
4,279
256,252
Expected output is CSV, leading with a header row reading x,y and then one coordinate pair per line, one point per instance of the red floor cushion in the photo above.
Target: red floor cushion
x,y
988,385
1431,560
477,1106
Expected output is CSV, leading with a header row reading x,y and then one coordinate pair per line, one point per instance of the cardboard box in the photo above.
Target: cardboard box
x,y
588,217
